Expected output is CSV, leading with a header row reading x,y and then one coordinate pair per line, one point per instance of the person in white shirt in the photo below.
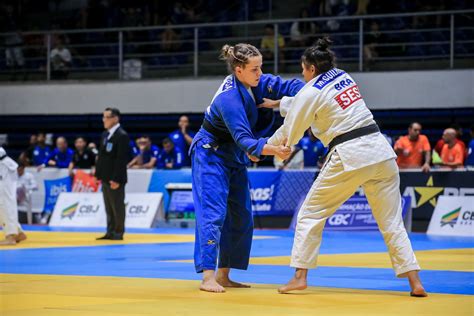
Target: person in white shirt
x,y
8,205
25,186
61,60
359,155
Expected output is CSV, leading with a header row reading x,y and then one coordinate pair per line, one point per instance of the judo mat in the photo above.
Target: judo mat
x,y
67,272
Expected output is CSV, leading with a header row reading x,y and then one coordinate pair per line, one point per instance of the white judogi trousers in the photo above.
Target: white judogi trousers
x,y
8,203
334,185
9,209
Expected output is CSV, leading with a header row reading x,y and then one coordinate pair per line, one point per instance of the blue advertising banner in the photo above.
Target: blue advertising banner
x,y
263,186
52,189
356,214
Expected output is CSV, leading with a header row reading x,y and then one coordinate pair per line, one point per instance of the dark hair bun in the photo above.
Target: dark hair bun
x,y
323,43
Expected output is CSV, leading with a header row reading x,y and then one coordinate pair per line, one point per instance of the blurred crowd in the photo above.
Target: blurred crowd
x,y
414,151
26,52
172,154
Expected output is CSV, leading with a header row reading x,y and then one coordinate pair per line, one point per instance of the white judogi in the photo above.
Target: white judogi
x,y
331,105
26,184
8,204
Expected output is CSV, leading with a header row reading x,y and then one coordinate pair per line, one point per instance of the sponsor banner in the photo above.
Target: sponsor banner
x,y
356,214
84,182
138,182
263,187
52,189
87,210
453,216
289,187
425,189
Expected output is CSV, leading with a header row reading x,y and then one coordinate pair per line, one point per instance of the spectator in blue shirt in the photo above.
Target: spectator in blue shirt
x,y
312,148
146,156
170,157
62,155
134,151
470,150
182,138
41,153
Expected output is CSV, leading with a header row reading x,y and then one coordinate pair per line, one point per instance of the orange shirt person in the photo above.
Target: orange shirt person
x,y
413,150
452,153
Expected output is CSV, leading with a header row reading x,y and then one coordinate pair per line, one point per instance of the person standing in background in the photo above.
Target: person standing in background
x,y
62,154
452,153
111,169
41,153
8,203
182,139
146,156
83,157
413,150
170,157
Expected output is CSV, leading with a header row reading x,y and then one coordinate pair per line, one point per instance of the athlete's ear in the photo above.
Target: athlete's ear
x,y
313,70
238,70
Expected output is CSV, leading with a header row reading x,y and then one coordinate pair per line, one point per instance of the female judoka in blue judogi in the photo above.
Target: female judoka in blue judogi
x,y
220,151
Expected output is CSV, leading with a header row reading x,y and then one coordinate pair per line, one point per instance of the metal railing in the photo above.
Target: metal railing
x,y
193,48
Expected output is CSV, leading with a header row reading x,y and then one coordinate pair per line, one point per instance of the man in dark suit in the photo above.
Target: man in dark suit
x,y
111,168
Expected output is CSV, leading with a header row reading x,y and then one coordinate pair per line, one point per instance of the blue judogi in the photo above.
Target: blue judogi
x,y
175,156
179,141
41,155
224,220
62,158
312,151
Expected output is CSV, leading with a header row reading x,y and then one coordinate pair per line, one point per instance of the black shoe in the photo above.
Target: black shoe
x,y
105,237
116,237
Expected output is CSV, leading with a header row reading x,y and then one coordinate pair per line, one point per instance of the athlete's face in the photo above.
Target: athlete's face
x,y
250,74
309,72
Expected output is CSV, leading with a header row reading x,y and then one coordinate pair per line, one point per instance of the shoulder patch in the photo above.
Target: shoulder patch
x,y
228,83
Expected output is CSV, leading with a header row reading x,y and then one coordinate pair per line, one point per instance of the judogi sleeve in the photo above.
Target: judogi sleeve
x,y
299,118
235,118
272,87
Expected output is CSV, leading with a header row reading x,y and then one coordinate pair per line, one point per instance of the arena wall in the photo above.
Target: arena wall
x,y
383,90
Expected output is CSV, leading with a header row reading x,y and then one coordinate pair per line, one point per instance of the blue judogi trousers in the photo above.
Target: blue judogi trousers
x,y
224,221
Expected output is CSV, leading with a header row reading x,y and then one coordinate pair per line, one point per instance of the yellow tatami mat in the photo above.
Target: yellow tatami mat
x,y
47,295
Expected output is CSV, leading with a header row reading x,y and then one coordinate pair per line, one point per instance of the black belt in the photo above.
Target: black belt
x,y
356,133
3,157
222,136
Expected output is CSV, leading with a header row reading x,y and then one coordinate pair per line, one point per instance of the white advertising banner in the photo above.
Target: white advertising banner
x,y
453,216
87,210
52,181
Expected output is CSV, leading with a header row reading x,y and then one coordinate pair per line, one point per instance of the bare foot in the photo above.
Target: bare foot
x,y
226,282
294,285
417,289
209,283
20,237
10,240
211,286
222,277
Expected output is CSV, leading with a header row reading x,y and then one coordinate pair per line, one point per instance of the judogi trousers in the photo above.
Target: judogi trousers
x,y
224,221
9,208
332,188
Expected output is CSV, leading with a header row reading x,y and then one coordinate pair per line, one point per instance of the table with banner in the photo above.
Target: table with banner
x,y
274,193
